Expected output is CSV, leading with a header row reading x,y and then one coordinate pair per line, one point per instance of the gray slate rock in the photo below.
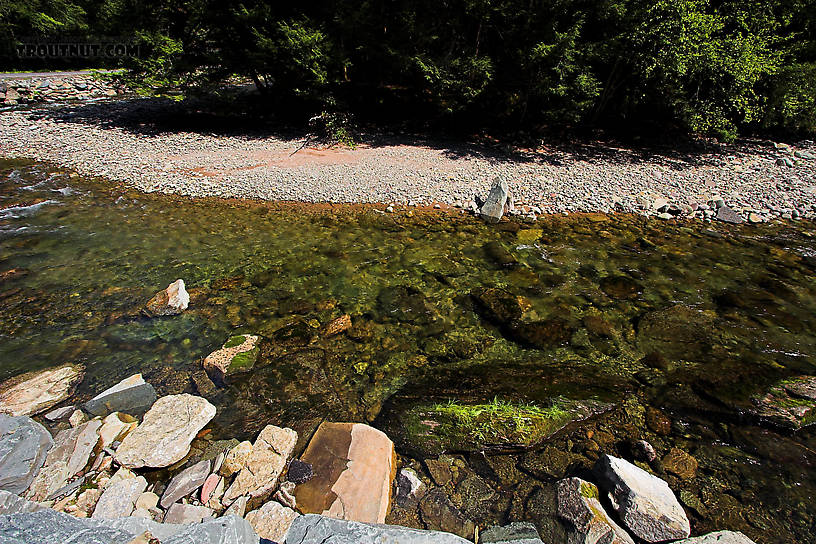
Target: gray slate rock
x,y
727,215
24,444
12,504
133,396
719,537
48,526
316,529
185,482
519,532
644,503
493,208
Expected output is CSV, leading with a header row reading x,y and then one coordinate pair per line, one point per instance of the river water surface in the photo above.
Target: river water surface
x,y
677,330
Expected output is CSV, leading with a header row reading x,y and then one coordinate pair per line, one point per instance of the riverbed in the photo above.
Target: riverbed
x,y
675,329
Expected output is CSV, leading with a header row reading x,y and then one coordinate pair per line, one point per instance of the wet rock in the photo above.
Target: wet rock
x,y
336,326
658,422
24,444
678,332
133,396
579,504
235,459
406,305
299,472
493,208
165,434
499,255
680,463
35,392
171,301
354,466
790,403
73,451
410,488
473,496
644,503
621,287
439,512
260,473
115,427
119,499
643,451
187,513
204,386
185,482
272,520
498,306
718,537
728,215
545,334
314,529
239,354
515,533
440,471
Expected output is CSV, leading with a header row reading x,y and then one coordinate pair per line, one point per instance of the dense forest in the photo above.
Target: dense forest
x,y
714,67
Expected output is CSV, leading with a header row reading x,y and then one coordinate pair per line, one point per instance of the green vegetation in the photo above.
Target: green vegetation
x,y
235,341
701,66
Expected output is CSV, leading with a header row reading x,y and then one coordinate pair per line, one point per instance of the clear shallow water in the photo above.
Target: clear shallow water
x,y
722,314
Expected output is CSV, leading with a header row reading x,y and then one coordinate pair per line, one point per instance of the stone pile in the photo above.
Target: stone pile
x,y
32,90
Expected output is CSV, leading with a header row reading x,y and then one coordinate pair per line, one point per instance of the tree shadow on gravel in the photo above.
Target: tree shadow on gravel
x,y
157,116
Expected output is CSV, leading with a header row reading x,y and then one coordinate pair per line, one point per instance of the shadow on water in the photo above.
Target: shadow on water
x,y
608,330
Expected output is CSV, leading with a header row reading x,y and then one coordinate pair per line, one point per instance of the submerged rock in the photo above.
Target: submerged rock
x,y
263,466
337,326
718,537
499,255
621,287
133,396
579,504
498,306
678,332
644,502
791,403
35,392
432,429
354,465
238,354
24,444
171,301
544,334
314,529
406,305
165,434
493,208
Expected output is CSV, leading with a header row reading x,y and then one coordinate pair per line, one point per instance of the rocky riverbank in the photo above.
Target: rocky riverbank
x,y
55,88
130,141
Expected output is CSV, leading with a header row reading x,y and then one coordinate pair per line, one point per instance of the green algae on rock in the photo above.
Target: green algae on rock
x,y
495,425
790,403
238,354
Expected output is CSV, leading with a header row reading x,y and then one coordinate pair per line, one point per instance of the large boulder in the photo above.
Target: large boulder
x,y
354,466
48,526
35,392
579,504
170,301
24,444
74,450
493,207
263,466
313,529
272,520
166,432
133,396
119,498
718,537
644,503
238,354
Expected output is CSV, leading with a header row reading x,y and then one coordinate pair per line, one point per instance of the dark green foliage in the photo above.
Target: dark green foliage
x,y
701,66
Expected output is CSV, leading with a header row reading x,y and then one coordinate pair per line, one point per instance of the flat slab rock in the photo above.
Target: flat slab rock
x,y
263,466
272,520
718,537
133,396
644,503
165,434
185,482
35,392
354,465
48,527
24,444
119,498
314,529
579,504
515,533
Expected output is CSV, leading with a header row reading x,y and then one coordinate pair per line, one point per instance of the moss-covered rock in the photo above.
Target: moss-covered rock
x,y
238,354
790,403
